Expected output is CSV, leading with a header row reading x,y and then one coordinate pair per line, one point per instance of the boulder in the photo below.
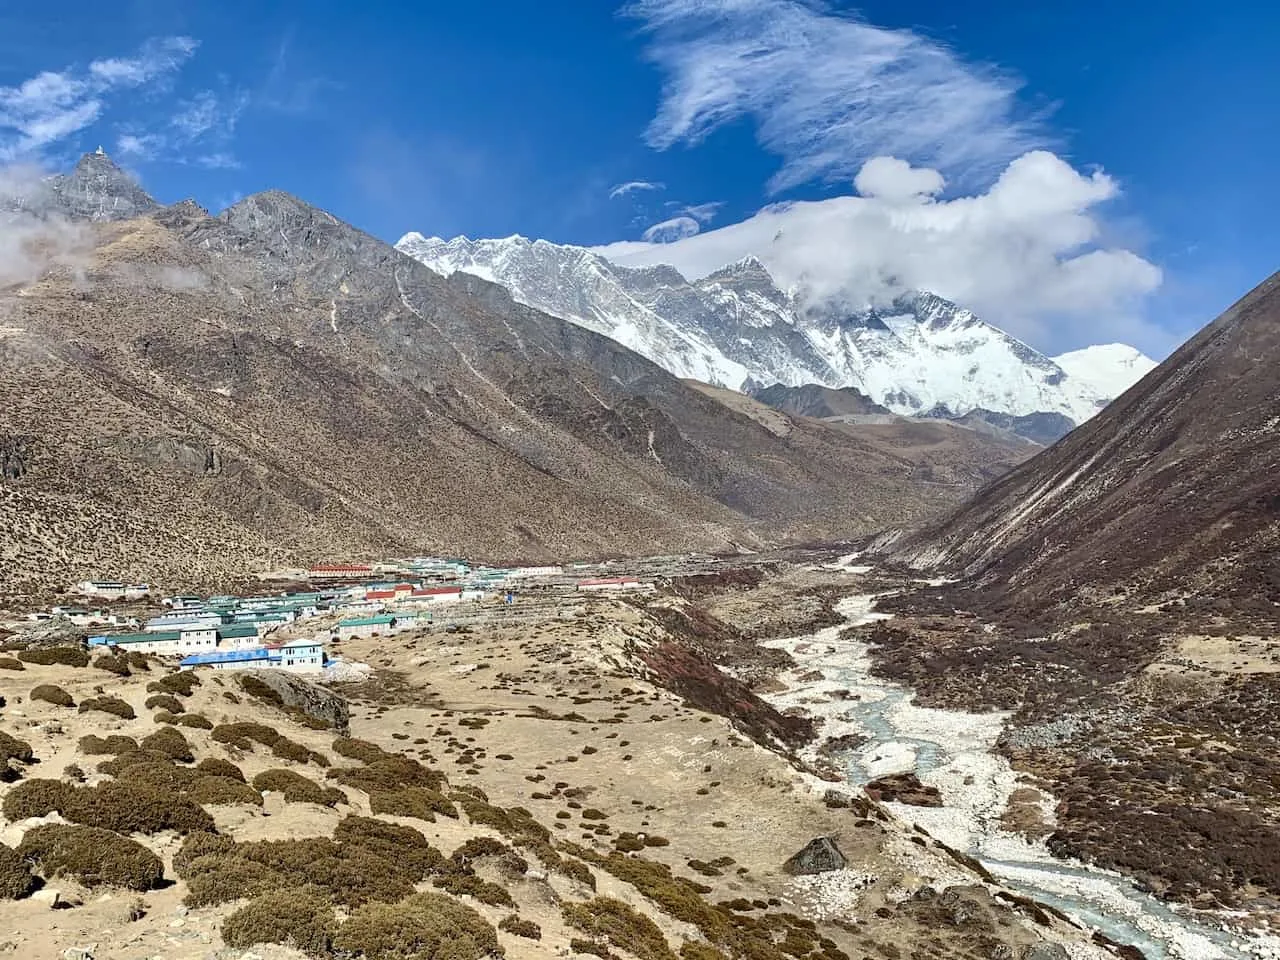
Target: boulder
x,y
820,855
311,698
1046,951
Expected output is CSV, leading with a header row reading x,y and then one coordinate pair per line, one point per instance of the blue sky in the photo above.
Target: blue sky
x,y
516,117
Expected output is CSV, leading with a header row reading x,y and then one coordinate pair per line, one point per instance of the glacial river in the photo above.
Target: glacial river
x,y
955,752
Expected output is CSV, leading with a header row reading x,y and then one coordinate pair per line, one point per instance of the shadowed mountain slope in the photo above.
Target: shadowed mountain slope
x,y
1170,491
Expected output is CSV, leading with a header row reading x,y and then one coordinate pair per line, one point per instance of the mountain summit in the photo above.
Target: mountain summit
x,y
921,355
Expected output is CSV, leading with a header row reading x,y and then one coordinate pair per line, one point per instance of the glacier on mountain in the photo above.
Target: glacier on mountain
x,y
920,355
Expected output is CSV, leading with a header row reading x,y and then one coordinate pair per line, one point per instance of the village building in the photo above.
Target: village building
x,y
112,589
340,571
296,655
366,626
613,584
434,595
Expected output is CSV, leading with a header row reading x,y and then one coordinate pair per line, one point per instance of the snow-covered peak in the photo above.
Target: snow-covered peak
x,y
1110,368
920,355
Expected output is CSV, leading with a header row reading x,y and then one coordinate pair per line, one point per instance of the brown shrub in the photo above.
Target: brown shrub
x,y
114,744
165,701
212,790
420,802
147,767
388,774
259,690
108,704
519,927
9,663
196,721
169,742
35,798
286,749
183,683
134,807
119,665
605,918
394,842
216,767
297,788
245,735
51,656
420,926
468,884
300,917
16,878
11,748
92,856
361,750
51,694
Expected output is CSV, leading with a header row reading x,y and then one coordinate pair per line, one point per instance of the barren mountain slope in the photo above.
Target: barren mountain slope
x,y
1170,491
208,395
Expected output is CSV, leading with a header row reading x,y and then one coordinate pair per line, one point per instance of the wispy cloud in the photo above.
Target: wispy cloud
x,y
284,90
199,131
54,105
669,231
631,186
702,212
825,90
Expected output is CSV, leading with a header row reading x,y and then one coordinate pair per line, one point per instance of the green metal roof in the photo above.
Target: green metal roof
x,y
122,638
385,620
232,630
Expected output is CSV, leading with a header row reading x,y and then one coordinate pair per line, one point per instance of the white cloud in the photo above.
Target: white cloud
x,y
825,90
631,186
702,212
31,245
53,105
669,231
1024,253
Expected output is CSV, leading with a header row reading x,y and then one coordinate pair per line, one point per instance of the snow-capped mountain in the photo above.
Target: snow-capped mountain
x,y
735,328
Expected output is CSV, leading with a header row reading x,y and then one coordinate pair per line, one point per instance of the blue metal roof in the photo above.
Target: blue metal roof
x,y
230,656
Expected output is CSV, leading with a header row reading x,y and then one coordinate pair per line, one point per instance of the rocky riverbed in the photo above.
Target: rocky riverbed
x,y
954,752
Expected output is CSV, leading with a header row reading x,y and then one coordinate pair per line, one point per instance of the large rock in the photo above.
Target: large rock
x,y
54,632
311,698
820,855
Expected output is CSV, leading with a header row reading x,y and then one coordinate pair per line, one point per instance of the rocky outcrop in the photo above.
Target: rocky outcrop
x,y
820,855
15,456
312,699
903,788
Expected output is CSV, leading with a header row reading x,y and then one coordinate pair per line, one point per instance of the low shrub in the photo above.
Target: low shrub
x,y
260,690
298,917
165,701
693,950
114,744
16,878
183,683
390,773
420,926
11,748
217,767
361,750
134,807
147,767
55,656
213,790
93,856
468,884
520,927
51,694
169,742
9,663
395,842
245,735
108,704
297,788
196,721
35,798
119,665
287,749
422,803
605,918
590,948
137,660
477,848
